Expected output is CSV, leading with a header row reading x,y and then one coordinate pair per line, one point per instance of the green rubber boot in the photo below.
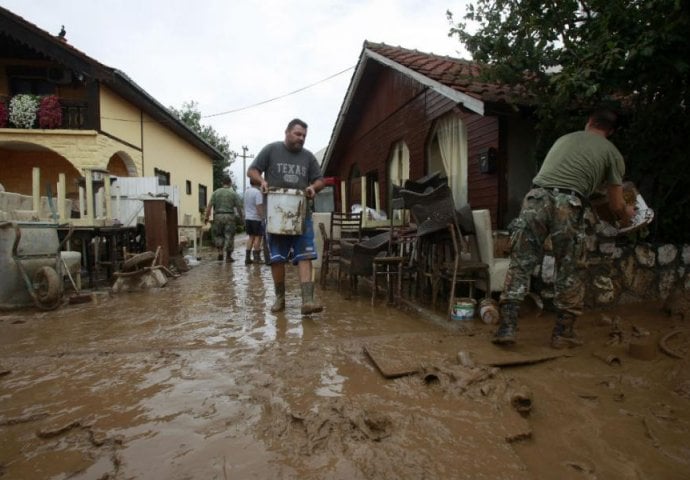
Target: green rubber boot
x,y
308,304
279,304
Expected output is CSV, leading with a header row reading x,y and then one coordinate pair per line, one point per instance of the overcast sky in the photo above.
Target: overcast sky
x,y
228,55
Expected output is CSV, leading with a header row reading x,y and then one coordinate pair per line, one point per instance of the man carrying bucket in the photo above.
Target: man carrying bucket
x,y
287,165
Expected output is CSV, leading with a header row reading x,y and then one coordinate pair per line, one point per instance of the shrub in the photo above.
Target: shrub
x,y
49,112
23,110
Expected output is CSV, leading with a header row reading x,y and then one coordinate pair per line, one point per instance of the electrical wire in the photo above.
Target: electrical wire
x,y
253,105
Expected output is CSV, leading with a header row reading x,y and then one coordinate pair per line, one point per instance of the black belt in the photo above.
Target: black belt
x,y
567,191
225,213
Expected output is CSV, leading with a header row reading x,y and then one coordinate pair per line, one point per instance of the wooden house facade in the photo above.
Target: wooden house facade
x,y
408,114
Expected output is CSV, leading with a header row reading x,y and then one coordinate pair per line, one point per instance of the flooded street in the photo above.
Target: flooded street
x,y
198,380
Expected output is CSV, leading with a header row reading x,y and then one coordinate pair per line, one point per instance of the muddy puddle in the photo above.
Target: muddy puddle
x,y
198,380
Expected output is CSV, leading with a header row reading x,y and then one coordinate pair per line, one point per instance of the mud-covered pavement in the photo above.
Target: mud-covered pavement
x,y
198,380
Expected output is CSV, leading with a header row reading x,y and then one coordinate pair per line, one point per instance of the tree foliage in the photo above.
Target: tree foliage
x,y
191,116
631,54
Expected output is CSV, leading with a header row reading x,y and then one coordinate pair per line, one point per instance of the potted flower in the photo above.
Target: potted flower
x,y
3,114
23,110
49,112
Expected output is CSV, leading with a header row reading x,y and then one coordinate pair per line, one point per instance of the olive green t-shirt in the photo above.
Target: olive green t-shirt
x,y
224,200
581,161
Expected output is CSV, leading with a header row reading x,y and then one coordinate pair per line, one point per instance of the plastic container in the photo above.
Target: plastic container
x,y
286,211
488,311
463,310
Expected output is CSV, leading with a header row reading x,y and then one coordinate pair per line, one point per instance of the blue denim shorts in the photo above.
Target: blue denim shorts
x,y
284,248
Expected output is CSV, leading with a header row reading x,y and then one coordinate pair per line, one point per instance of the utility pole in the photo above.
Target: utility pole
x,y
244,166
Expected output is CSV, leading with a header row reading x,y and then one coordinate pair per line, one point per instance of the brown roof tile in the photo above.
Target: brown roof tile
x,y
458,74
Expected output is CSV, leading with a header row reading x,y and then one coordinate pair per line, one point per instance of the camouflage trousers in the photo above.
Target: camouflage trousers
x,y
223,231
559,215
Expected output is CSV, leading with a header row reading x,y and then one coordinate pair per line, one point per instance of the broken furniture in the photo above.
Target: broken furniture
x,y
101,248
446,239
389,265
344,231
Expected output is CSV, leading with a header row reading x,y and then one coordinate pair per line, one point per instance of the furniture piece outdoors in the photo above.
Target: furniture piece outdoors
x,y
345,231
465,267
389,264
397,263
498,267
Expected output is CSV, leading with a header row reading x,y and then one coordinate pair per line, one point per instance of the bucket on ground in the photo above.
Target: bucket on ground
x,y
463,309
286,211
488,311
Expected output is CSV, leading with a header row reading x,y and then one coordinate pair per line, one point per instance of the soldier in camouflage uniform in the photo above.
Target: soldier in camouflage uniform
x,y
227,209
575,166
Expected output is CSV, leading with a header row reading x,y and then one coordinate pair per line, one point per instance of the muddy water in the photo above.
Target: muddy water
x,y
199,380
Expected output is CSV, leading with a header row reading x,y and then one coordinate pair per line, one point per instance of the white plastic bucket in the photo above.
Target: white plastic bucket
x,y
488,311
463,309
286,211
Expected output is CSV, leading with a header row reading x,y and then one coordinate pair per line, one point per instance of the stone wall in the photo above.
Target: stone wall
x,y
623,272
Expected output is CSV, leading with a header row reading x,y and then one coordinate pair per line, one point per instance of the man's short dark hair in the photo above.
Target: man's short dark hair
x,y
604,119
227,180
296,121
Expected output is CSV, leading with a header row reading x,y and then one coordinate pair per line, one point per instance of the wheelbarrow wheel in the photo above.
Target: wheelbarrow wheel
x,y
47,287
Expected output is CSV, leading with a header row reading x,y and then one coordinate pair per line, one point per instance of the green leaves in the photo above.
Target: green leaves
x,y
632,54
191,116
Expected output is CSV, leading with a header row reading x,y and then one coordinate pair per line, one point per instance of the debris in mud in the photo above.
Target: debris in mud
x,y
390,365
608,358
521,400
58,431
674,352
4,372
25,419
333,427
581,467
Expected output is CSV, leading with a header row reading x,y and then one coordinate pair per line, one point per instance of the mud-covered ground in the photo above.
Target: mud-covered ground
x,y
198,380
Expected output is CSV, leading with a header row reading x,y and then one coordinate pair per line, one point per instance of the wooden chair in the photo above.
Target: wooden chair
x,y
345,228
465,266
397,264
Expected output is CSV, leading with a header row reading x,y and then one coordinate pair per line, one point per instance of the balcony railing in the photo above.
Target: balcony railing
x,y
75,114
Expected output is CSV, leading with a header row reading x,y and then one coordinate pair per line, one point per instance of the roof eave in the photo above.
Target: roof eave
x,y
469,102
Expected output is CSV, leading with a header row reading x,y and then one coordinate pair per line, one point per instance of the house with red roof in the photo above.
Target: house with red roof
x,y
408,114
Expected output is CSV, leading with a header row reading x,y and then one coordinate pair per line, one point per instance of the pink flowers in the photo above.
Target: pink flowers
x,y
49,112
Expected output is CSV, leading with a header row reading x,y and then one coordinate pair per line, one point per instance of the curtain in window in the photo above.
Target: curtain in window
x,y
452,141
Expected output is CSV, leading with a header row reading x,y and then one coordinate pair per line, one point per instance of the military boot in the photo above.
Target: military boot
x,y
279,304
507,328
247,257
563,335
257,256
308,304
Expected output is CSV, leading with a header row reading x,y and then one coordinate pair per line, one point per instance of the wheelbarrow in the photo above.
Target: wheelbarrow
x,y
45,287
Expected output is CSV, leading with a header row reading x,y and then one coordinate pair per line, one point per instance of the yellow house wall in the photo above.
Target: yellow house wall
x,y
165,151
120,118
81,148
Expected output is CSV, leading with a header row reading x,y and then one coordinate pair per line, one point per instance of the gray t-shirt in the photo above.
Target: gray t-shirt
x,y
285,169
